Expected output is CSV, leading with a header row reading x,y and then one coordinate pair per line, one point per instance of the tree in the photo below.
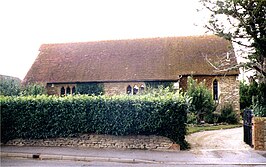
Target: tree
x,y
33,90
242,22
9,86
247,91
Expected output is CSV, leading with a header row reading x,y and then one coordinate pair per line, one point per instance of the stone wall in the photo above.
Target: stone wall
x,y
110,88
103,141
116,88
229,92
55,89
259,133
228,89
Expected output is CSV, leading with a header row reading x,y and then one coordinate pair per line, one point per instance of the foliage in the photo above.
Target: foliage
x,y
160,90
253,96
90,88
9,86
159,85
246,20
259,110
191,118
49,116
246,93
202,104
259,101
33,89
228,115
213,118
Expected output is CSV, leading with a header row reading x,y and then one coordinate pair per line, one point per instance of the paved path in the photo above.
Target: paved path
x,y
228,139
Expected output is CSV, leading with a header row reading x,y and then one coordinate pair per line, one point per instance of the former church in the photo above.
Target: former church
x,y
129,66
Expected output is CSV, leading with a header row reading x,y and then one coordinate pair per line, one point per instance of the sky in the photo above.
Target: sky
x,y
26,24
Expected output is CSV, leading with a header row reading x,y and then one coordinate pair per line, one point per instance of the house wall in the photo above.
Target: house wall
x,y
55,89
119,87
114,88
228,89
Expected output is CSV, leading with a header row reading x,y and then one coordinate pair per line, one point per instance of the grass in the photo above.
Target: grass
x,y
200,128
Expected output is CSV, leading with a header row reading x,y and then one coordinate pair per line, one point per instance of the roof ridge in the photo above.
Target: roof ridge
x,y
129,39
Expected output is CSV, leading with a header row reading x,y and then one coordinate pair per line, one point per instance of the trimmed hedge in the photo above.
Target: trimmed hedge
x,y
49,116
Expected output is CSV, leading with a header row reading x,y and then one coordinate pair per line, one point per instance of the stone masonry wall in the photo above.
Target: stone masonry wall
x,y
229,92
103,141
259,133
116,88
55,89
228,89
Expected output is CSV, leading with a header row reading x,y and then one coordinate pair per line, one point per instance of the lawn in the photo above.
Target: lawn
x,y
200,128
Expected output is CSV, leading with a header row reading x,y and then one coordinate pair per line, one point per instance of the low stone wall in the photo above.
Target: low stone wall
x,y
259,133
104,141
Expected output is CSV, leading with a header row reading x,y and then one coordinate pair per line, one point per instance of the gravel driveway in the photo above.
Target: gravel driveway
x,y
227,139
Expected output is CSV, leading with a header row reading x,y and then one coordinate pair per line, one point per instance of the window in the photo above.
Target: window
x,y
74,90
215,90
62,92
135,89
68,90
141,88
129,89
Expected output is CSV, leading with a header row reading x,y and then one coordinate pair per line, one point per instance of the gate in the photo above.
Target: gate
x,y
247,124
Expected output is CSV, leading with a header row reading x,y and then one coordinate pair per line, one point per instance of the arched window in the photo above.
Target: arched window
x,y
129,89
62,91
215,89
68,90
141,88
74,90
135,89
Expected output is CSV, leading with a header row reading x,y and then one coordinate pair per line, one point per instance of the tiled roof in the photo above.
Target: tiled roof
x,y
131,60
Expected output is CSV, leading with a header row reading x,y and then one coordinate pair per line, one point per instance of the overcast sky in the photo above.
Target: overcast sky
x,y
26,24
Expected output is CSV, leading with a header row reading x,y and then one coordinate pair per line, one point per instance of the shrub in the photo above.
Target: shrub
x,y
202,104
246,93
160,85
48,117
191,118
228,115
253,96
33,90
259,101
212,118
90,88
9,86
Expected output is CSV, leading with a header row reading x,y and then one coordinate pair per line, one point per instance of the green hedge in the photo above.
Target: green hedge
x,y
48,117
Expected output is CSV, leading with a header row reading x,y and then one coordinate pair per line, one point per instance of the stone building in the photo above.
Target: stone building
x,y
129,66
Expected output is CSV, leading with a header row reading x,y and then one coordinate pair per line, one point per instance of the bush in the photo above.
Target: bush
x,y
246,93
213,118
9,86
90,88
48,117
253,96
191,118
33,90
259,101
202,104
228,115
259,110
151,85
